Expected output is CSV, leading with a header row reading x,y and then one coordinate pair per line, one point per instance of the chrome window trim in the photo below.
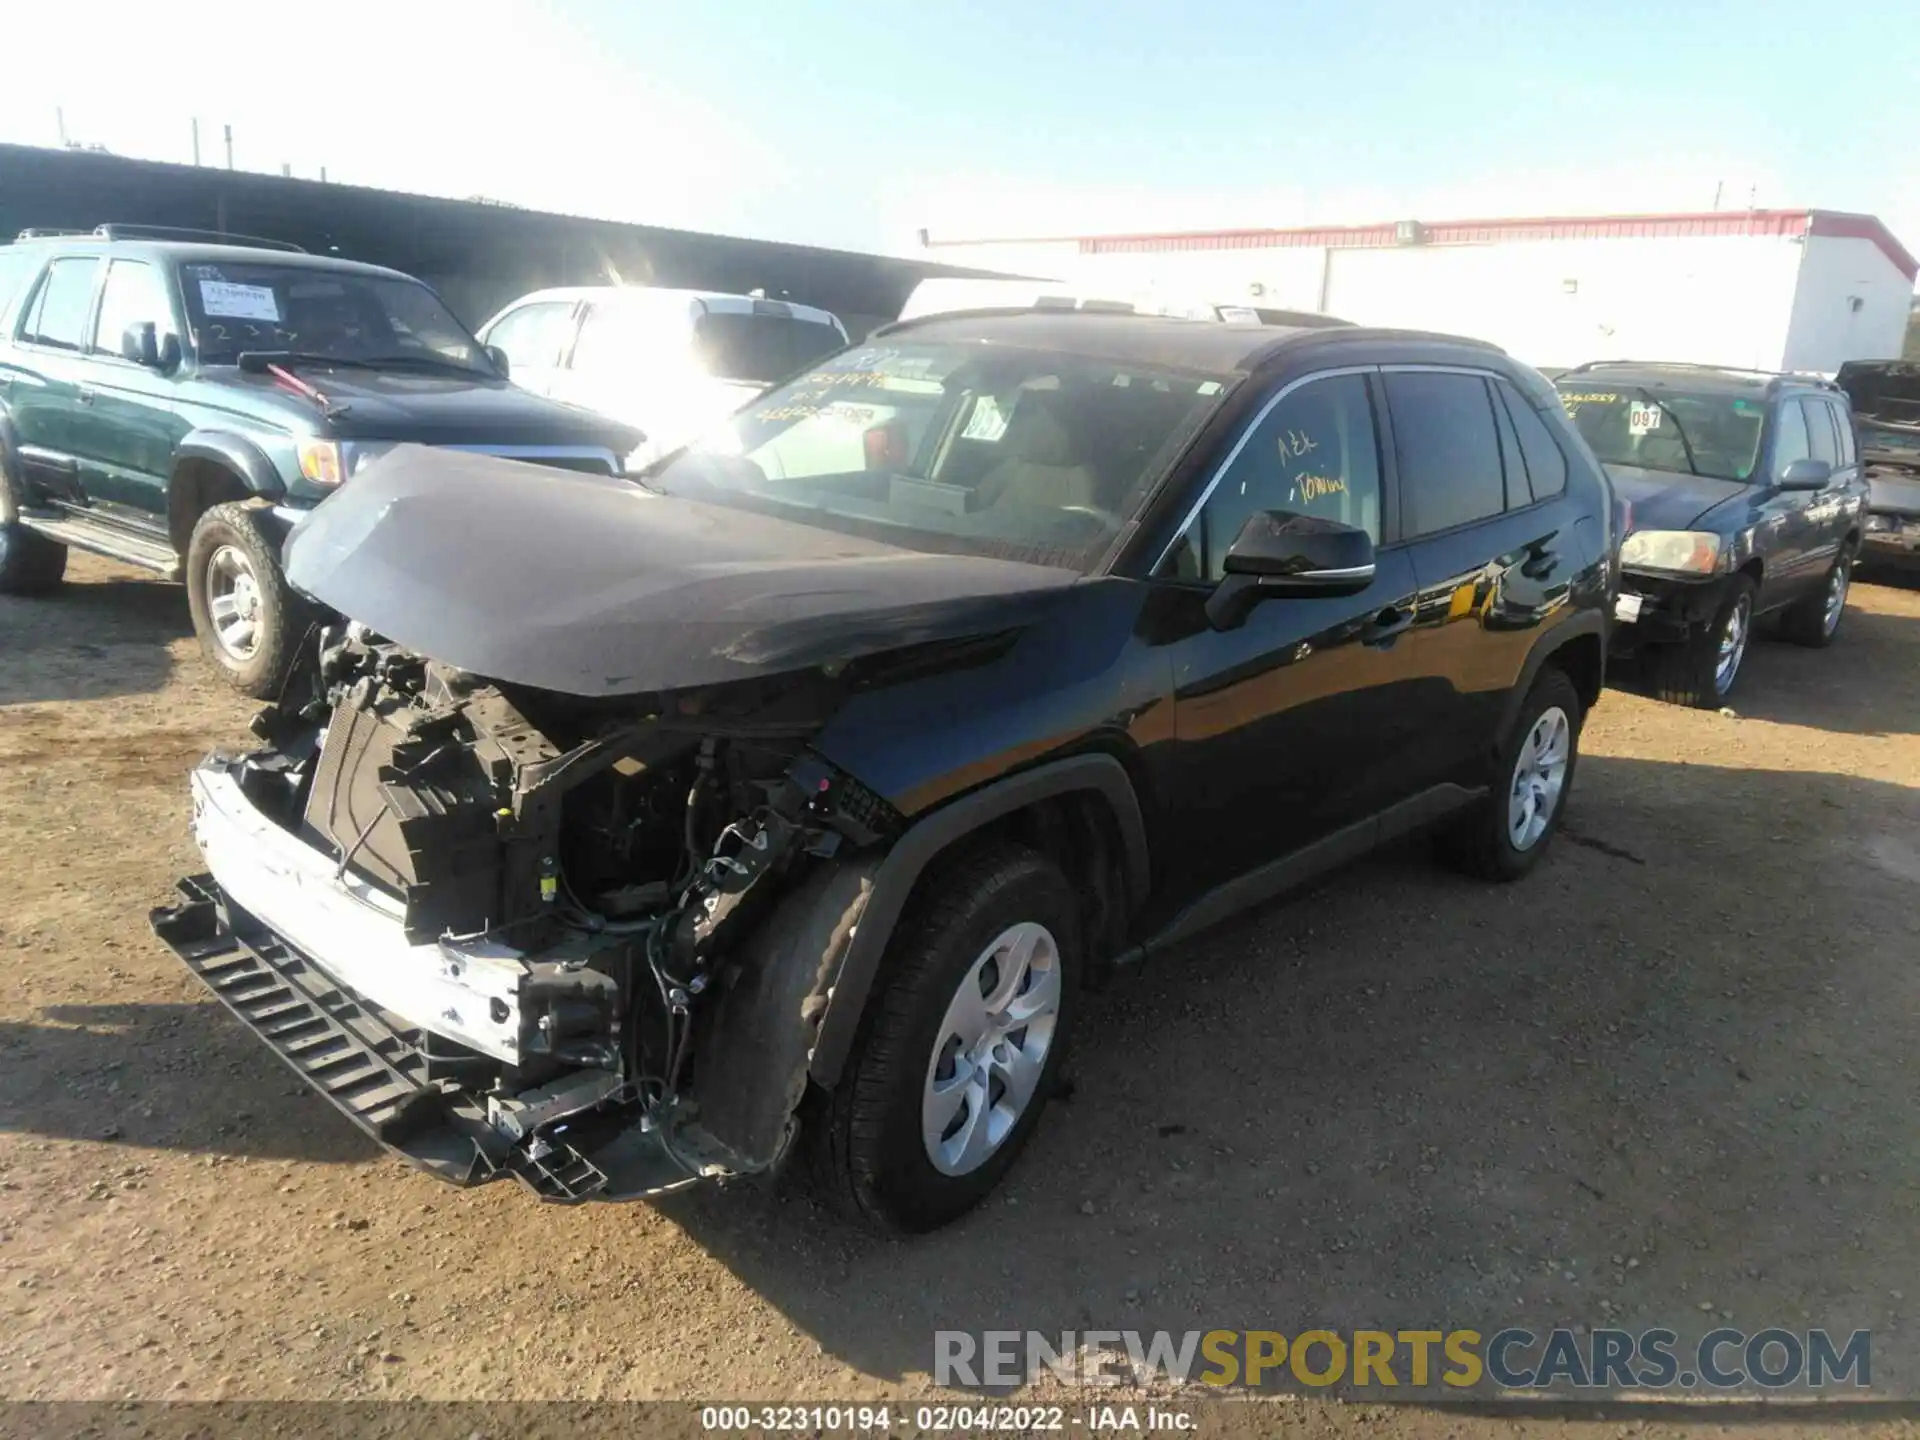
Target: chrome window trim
x,y
1246,434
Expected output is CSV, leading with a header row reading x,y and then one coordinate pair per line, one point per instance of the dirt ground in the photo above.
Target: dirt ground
x,y
1668,1079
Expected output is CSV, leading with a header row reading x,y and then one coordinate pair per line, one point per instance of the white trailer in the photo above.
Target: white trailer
x,y
1766,289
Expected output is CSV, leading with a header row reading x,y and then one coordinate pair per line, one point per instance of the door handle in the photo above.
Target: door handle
x,y
1386,624
85,394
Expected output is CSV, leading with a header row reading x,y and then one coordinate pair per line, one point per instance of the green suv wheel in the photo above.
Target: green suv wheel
x,y
249,620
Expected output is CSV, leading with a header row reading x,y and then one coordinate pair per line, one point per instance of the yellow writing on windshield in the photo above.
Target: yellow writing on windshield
x,y
1570,398
1316,487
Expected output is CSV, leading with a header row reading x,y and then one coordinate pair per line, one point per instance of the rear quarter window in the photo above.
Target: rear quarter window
x,y
1546,462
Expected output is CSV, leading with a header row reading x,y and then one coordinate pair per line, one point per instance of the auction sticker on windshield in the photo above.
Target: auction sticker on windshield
x,y
1642,418
230,301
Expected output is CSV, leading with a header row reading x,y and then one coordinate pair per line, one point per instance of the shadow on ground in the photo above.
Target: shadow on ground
x,y
1827,689
181,1077
1404,1100
91,639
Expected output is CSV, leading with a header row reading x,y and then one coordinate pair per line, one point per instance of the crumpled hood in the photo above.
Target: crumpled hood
x,y
594,586
1662,500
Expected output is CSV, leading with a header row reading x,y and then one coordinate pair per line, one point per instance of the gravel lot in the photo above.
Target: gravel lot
x,y
1666,1080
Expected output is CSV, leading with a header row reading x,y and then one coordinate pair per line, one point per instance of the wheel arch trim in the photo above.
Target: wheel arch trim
x,y
235,454
1582,624
900,871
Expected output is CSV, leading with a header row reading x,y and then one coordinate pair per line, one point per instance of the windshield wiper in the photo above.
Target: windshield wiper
x,y
258,362
279,364
1667,411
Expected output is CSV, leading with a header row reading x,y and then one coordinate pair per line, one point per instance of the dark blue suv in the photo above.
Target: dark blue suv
x,y
1745,500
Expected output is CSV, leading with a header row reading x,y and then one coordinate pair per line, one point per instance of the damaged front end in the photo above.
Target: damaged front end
x,y
582,941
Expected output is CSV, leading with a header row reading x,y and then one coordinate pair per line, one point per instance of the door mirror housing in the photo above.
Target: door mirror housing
x,y
1805,474
140,343
500,361
1280,555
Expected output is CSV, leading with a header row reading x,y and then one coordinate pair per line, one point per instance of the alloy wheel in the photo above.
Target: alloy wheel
x,y
1733,644
991,1049
1837,584
1539,777
233,602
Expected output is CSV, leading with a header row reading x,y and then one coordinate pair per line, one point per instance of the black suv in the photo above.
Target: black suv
x,y
1746,499
804,782
176,404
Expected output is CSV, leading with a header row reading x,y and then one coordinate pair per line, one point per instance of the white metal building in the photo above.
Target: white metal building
x,y
1768,289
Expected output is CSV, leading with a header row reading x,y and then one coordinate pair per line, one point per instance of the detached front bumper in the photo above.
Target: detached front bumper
x,y
1660,610
316,964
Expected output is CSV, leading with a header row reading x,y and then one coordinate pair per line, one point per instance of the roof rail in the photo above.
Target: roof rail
x,y
118,231
43,233
1811,377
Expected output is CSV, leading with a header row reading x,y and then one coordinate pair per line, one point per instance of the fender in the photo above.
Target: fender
x,y
236,453
1581,622
901,869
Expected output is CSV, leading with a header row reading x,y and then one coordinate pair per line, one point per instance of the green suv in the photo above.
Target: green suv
x,y
177,401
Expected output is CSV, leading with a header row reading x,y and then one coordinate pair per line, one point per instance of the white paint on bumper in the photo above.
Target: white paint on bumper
x,y
468,991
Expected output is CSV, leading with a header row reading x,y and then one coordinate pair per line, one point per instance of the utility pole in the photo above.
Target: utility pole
x,y
60,119
286,170
323,174
1718,186
227,130
196,139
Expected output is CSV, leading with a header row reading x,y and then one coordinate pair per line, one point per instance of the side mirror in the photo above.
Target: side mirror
x,y
140,343
1280,555
500,361
1805,474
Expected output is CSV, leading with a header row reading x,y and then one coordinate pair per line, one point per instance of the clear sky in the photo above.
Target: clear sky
x,y
855,124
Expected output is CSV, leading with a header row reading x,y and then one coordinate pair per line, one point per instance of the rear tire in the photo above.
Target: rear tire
x,y
890,1146
30,563
251,623
1815,621
1503,836
1702,671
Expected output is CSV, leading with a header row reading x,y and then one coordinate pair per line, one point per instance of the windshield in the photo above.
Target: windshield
x,y
760,348
322,314
1716,435
1019,454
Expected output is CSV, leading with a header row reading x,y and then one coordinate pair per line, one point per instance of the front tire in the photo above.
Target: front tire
x,y
249,620
1702,671
1503,837
960,1048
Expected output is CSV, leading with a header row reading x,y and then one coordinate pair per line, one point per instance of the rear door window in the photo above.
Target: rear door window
x,y
1447,448
1822,442
59,316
